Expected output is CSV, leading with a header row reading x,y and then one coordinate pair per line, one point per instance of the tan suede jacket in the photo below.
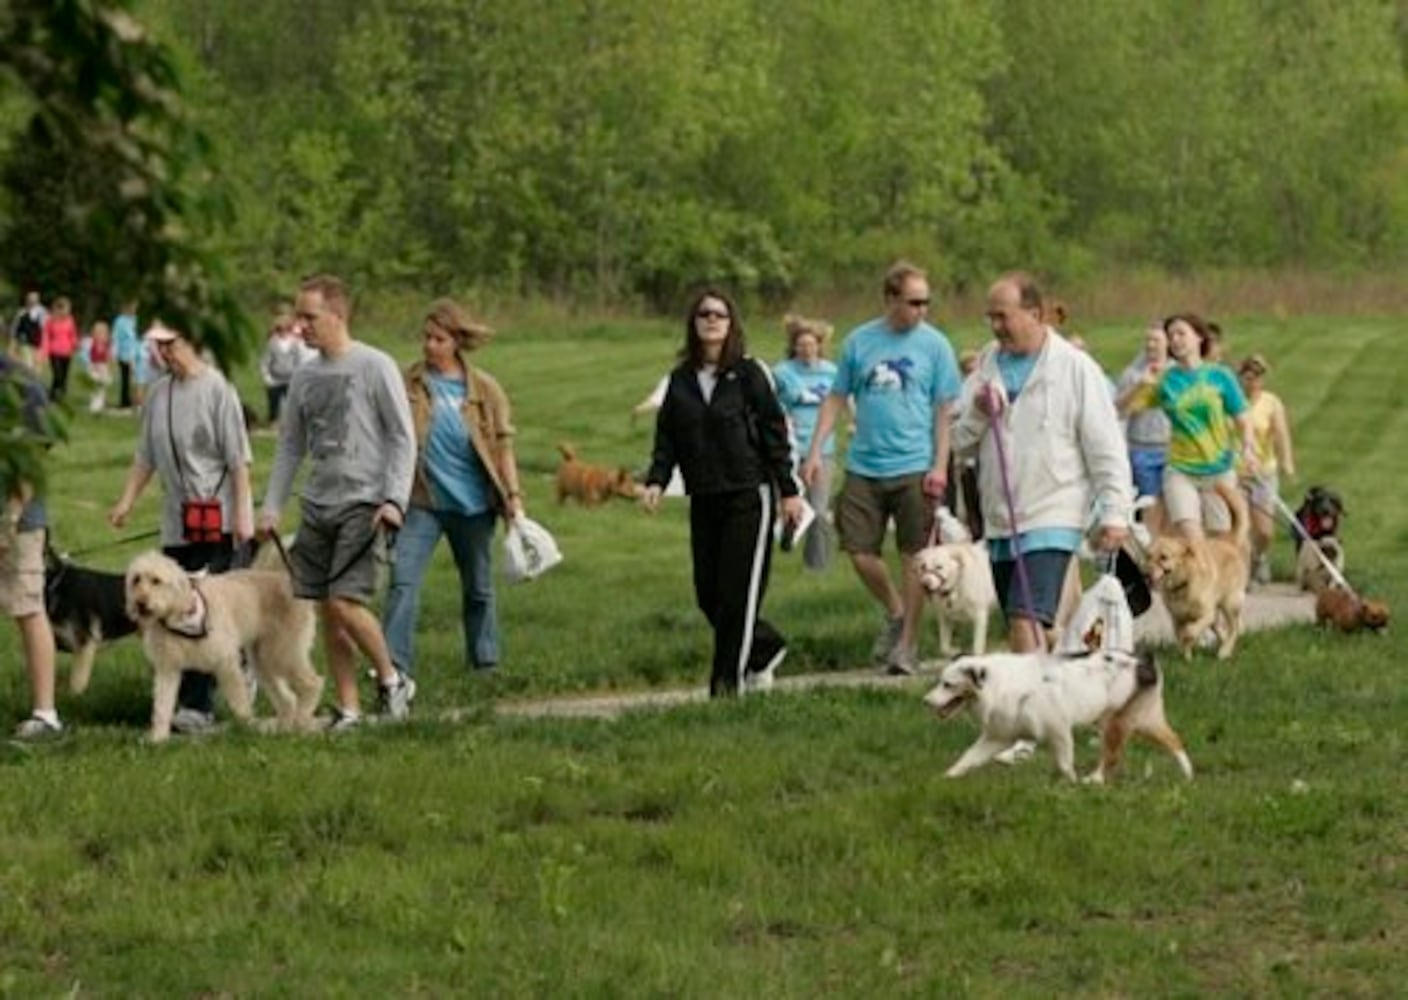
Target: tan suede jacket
x,y
486,421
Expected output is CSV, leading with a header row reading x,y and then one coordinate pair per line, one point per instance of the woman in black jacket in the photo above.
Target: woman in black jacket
x,y
722,425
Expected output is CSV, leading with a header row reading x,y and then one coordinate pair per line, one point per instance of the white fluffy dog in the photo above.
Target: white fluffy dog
x,y
1038,696
958,579
202,623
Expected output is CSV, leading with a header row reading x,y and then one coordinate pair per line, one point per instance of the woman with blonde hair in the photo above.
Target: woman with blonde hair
x,y
466,478
1271,443
803,379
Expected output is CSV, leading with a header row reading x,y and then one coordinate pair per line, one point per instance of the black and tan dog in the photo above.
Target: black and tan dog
x,y
86,608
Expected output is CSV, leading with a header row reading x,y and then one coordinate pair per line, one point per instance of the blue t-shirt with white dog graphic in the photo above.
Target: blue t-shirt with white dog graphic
x,y
897,380
801,389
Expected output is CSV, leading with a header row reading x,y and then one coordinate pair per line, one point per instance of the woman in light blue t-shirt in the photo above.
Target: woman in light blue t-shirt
x,y
804,378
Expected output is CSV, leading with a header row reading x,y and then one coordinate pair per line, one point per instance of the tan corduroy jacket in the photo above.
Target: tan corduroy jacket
x,y
486,420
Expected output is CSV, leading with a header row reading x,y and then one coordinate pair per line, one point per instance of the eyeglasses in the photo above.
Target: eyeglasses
x,y
917,303
711,314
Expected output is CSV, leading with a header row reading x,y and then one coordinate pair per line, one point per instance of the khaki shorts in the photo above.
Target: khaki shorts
x,y
866,506
22,574
1191,498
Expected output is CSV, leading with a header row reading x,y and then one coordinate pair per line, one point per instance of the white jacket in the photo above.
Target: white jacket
x,y
1063,441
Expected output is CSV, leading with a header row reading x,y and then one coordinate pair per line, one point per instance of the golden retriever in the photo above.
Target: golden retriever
x,y
592,484
202,623
1204,581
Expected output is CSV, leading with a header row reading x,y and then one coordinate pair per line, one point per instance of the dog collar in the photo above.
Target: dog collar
x,y
196,623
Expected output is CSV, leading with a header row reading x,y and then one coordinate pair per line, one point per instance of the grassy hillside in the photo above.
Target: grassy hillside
x,y
780,846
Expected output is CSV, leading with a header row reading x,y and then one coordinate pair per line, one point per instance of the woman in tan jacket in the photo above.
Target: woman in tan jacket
x,y
466,478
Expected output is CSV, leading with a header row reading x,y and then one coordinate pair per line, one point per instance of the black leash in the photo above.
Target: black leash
x,y
141,537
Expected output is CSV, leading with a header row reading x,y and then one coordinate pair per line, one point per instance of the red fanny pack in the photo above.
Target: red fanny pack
x,y
201,520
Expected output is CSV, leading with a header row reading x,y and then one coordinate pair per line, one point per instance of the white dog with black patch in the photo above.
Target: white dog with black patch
x,y
1042,697
202,623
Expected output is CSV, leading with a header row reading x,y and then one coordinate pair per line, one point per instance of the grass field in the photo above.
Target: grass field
x,y
777,846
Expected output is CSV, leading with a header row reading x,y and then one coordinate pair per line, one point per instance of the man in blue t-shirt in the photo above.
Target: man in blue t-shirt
x,y
903,378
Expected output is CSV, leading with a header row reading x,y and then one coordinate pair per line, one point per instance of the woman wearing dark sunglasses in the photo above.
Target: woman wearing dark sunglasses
x,y
722,425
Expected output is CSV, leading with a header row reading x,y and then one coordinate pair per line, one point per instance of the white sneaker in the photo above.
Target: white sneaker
x,y
37,728
343,722
902,662
886,641
192,721
762,680
1018,752
395,699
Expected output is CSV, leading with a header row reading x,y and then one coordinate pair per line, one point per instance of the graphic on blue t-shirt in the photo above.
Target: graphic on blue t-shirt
x,y
890,374
897,380
814,394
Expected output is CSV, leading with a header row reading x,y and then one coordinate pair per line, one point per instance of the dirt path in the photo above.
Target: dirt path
x,y
1273,606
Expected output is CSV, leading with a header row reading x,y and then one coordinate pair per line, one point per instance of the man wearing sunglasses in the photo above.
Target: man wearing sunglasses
x,y
903,377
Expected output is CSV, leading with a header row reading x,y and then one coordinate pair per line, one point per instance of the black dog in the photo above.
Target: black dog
x,y
86,608
1319,514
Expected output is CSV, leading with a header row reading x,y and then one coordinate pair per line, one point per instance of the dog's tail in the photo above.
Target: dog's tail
x,y
1237,511
569,454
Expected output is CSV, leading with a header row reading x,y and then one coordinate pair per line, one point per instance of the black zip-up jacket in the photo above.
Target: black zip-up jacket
x,y
738,440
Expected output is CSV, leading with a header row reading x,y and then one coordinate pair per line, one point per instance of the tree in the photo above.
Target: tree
x,y
106,188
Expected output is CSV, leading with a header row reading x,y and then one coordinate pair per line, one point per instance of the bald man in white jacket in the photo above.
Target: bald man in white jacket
x,y
1064,449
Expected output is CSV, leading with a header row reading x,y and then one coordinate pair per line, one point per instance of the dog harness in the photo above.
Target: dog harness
x,y
196,623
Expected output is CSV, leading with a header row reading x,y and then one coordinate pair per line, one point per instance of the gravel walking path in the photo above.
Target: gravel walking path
x,y
1273,606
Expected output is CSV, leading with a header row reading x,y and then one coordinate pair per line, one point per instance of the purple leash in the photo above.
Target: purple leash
x,y
1024,583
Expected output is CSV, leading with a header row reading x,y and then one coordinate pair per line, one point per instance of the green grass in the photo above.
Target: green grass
x,y
780,846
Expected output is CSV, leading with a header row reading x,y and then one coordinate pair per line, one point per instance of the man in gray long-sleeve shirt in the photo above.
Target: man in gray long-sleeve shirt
x,y
348,411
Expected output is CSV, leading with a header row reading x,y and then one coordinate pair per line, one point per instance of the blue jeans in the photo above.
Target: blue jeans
x,y
471,543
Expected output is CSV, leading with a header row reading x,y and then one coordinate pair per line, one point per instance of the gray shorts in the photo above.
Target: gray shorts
x,y
337,553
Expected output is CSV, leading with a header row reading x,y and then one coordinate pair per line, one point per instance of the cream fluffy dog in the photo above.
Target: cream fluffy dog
x,y
1039,696
202,623
958,579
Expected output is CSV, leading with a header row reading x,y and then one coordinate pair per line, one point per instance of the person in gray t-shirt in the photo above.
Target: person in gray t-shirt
x,y
347,412
193,438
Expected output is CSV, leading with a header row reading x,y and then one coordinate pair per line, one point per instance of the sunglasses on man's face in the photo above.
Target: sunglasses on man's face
x,y
917,303
711,314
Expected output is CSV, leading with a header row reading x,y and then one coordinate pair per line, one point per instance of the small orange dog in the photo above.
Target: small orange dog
x,y
1348,612
590,485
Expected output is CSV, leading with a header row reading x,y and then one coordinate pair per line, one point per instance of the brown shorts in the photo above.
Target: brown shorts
x,y
866,506
22,574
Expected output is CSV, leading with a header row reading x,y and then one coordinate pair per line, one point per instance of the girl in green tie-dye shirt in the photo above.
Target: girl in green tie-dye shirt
x,y
1203,402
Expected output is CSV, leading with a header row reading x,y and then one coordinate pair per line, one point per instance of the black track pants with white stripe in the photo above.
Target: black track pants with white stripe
x,y
730,537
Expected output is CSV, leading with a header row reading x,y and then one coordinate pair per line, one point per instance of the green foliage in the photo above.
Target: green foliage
x,y
108,189
1223,134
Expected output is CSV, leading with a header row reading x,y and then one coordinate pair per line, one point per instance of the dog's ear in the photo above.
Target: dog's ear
x,y
976,675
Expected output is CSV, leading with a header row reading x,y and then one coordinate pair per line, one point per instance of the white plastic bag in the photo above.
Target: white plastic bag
x,y
1102,620
529,550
